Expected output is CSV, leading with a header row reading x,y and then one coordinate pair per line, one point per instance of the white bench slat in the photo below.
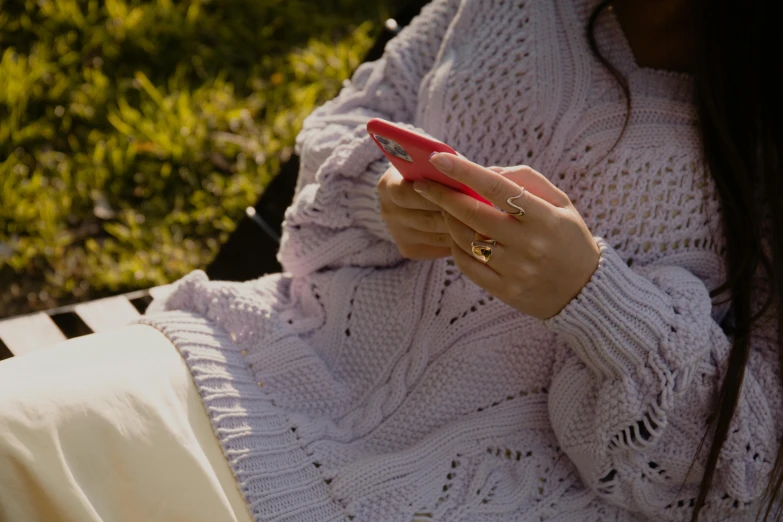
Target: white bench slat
x,y
28,333
162,291
159,295
107,314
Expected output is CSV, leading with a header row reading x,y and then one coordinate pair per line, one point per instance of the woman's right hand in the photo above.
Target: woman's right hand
x,y
416,224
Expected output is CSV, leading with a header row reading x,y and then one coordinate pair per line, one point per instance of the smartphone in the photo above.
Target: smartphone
x,y
410,152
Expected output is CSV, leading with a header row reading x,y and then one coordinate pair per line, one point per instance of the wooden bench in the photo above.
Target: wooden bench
x,y
36,331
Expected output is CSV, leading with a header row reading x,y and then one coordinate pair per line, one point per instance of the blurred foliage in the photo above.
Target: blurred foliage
x,y
133,133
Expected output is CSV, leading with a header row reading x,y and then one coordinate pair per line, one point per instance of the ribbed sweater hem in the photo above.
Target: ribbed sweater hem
x,y
277,478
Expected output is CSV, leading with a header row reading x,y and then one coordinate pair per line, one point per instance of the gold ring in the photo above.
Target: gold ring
x,y
482,250
520,211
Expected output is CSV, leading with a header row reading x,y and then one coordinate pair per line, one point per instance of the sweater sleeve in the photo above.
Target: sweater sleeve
x,y
635,386
335,218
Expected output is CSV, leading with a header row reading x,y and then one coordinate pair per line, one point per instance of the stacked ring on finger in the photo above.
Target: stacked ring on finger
x,y
482,249
520,211
510,200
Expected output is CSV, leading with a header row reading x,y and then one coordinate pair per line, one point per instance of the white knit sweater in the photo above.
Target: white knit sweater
x,y
358,385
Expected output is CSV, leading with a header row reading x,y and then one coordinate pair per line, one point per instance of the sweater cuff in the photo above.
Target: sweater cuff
x,y
617,322
365,201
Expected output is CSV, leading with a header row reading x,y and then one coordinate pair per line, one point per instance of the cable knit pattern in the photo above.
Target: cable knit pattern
x,y
358,385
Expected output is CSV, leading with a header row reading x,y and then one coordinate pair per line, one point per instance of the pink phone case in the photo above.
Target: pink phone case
x,y
410,152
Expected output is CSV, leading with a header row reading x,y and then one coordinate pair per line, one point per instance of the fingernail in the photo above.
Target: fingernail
x,y
420,186
442,161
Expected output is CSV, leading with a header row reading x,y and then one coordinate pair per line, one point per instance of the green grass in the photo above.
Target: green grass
x,y
134,133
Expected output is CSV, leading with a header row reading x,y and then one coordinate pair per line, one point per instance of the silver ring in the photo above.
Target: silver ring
x,y
520,211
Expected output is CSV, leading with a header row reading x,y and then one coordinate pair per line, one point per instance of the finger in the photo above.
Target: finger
x,y
534,182
411,236
426,252
537,184
403,195
462,234
481,274
424,220
477,215
491,185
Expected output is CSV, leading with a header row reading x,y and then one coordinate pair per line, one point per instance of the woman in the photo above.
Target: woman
x,y
565,369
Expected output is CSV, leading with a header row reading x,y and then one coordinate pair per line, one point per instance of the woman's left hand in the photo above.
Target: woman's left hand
x,y
541,261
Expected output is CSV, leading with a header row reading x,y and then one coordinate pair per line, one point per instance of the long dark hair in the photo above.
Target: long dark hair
x,y
737,73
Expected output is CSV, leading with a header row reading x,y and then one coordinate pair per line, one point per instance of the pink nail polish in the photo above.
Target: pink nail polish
x,y
442,161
